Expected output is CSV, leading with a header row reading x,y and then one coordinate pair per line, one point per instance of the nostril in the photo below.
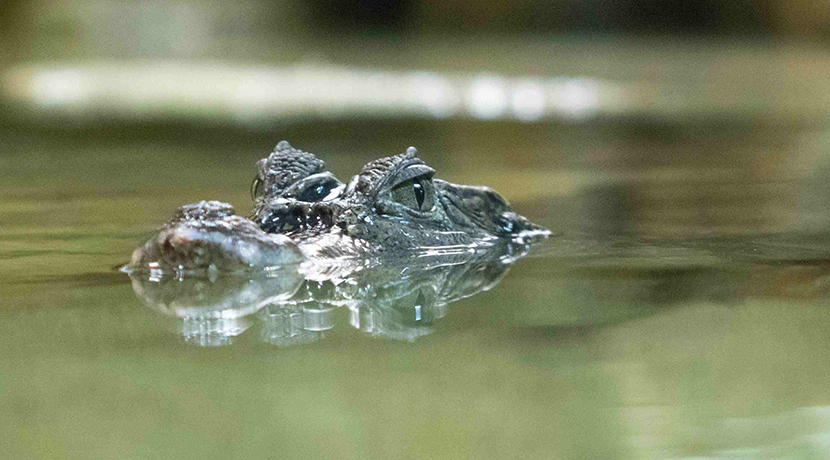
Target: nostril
x,y
512,223
169,249
506,223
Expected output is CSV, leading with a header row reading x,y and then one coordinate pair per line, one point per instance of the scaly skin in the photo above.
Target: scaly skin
x,y
302,212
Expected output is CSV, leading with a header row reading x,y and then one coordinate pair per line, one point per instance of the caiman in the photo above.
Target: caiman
x,y
393,207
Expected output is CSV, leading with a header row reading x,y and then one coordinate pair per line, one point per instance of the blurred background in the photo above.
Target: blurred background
x,y
650,116
659,120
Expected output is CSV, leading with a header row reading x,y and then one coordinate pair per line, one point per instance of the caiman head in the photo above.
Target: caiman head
x,y
303,212
392,203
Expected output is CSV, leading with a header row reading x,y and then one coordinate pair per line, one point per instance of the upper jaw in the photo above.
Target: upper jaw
x,y
481,208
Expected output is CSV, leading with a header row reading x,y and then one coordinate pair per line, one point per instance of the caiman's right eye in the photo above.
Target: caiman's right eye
x,y
415,193
257,188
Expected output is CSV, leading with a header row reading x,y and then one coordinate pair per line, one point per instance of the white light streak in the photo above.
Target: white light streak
x,y
256,93
528,101
435,93
575,97
487,98
59,87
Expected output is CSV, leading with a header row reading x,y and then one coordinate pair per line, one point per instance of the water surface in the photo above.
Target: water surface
x,y
677,312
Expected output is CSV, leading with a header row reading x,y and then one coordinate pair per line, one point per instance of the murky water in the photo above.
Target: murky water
x,y
680,310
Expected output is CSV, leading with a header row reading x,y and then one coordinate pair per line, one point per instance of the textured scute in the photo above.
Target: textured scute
x,y
361,220
204,210
373,173
286,165
366,211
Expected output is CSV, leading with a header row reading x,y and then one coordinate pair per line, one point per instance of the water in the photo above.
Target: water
x,y
679,311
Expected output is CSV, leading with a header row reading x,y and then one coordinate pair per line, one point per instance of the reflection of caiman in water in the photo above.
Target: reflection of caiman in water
x,y
394,245
396,299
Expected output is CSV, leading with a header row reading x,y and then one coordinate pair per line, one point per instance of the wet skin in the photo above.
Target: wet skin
x,y
302,212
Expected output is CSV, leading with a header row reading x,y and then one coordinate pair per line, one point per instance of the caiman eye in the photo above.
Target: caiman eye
x,y
318,191
415,193
257,188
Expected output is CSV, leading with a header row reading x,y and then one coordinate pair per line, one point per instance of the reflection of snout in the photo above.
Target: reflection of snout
x,y
231,243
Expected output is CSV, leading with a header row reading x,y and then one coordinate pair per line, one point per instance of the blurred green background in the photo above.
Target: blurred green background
x,y
628,107
663,123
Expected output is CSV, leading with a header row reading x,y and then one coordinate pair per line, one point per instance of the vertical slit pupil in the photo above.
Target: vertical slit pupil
x,y
419,192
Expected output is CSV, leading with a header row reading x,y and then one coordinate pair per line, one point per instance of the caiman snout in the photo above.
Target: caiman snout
x,y
480,206
208,234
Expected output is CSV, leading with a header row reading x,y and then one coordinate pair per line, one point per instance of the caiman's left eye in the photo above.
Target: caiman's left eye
x,y
415,193
257,188
317,190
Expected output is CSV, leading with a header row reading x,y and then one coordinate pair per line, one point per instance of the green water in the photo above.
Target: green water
x,y
680,311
